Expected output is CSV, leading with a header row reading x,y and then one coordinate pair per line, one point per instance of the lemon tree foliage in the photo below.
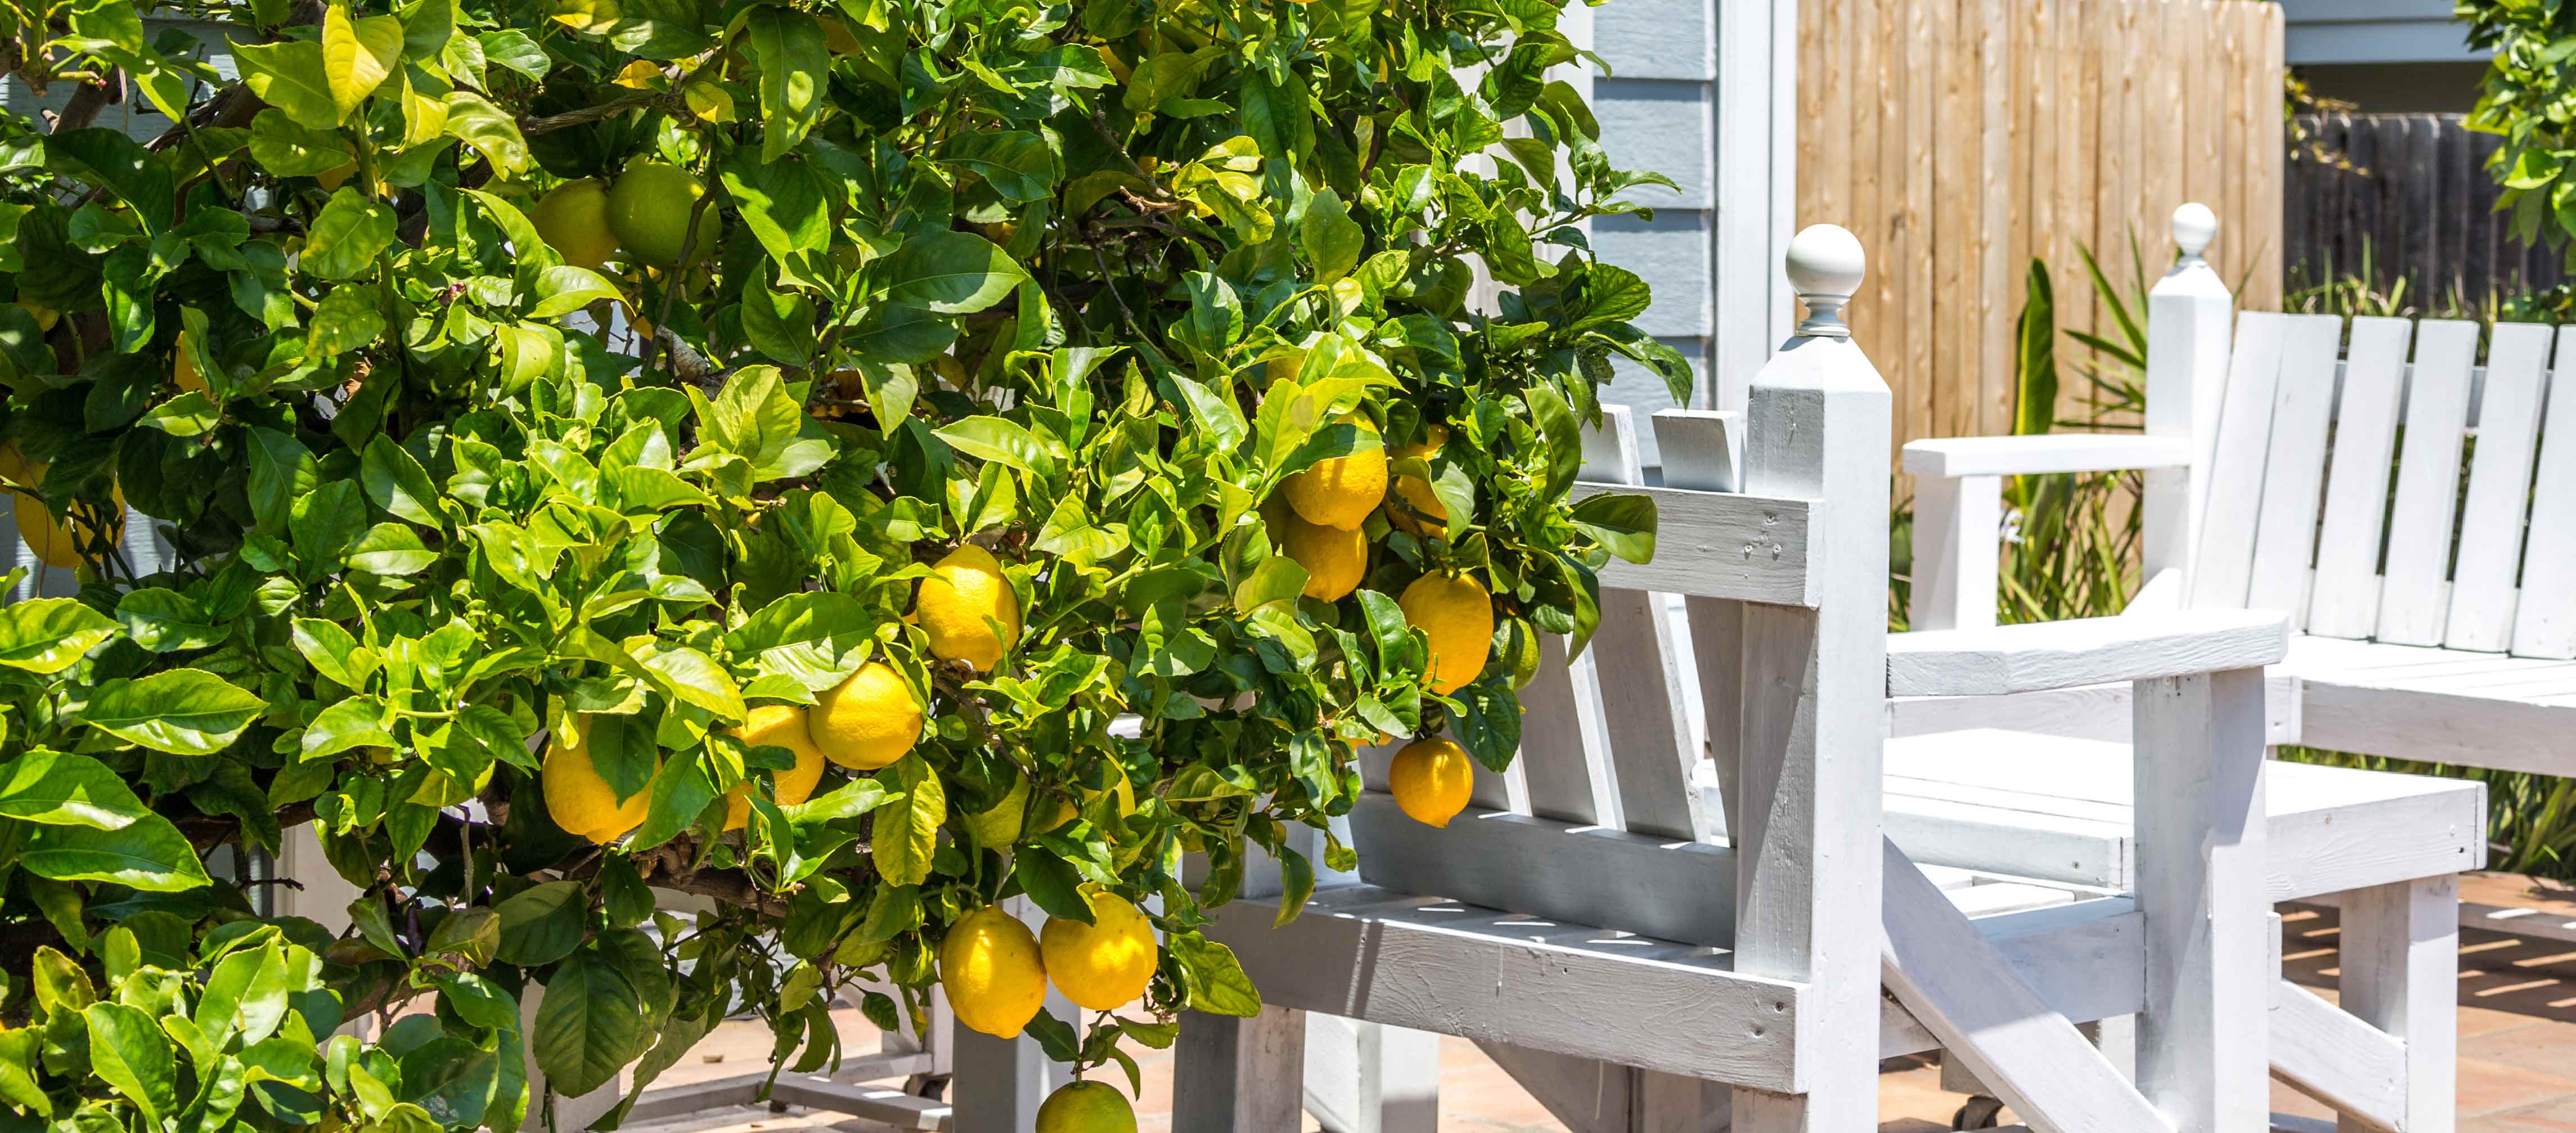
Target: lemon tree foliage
x,y
855,463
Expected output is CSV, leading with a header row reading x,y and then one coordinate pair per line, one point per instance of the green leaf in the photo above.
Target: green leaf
x,y
1016,163
397,483
1217,984
166,621
359,721
512,48
897,332
333,653
1623,523
564,288
492,132
149,854
543,923
696,679
180,711
128,1051
952,272
389,549
288,148
1051,882
589,1024
783,202
349,236
57,788
794,67
49,635
246,995
1331,239
906,834
357,55
1001,440
290,76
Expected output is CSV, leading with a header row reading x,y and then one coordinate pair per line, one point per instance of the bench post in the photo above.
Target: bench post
x,y
1814,685
2401,971
2203,1058
2188,316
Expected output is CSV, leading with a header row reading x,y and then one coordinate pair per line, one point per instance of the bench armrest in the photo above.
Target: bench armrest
x,y
1996,660
2034,455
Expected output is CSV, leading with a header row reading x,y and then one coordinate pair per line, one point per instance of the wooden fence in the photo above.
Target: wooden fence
x,y
2412,195
1960,138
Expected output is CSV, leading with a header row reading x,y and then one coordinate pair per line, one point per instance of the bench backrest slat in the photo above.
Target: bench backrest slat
x,y
2544,621
2346,602
1636,657
1566,782
2235,471
2491,519
2294,471
2412,596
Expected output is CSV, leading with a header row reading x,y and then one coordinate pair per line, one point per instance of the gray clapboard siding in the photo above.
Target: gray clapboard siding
x,y
135,115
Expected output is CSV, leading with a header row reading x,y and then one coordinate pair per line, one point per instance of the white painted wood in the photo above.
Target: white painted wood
x,y
1637,659
2401,946
2085,651
1565,782
1720,545
2338,1060
2346,602
1587,875
1448,967
1371,1078
2188,317
2086,961
1957,524
2062,810
2200,806
2295,468
1814,682
1236,1075
1756,94
1587,1095
1959,987
2234,496
2041,453
2544,618
2491,518
1702,450
2412,593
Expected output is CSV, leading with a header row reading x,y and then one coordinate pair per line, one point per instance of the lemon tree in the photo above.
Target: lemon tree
x,y
859,464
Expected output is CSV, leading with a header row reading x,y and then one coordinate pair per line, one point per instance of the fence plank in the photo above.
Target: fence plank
x,y
2414,199
1978,134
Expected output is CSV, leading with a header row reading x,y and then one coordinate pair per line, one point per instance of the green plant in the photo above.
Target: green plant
x,y
2527,93
1081,285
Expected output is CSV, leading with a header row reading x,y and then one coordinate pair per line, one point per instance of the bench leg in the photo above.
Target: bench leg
x,y
1000,1083
1371,1078
2401,965
1235,1075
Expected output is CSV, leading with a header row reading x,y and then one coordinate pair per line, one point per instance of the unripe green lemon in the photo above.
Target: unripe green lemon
x,y
648,210
1086,1107
573,220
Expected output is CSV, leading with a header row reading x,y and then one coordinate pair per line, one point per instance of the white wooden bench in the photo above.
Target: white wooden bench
x,y
2268,472
1642,956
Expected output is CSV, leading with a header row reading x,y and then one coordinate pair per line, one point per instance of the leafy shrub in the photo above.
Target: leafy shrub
x,y
446,478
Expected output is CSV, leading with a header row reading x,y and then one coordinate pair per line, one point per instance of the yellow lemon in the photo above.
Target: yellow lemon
x,y
1106,964
867,721
573,220
1086,1107
1340,491
997,828
1431,779
995,977
777,725
1417,509
958,604
1334,558
580,800
1458,616
56,541
649,208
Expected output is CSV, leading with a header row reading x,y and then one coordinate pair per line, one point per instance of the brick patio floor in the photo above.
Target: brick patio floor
x,y
2517,1056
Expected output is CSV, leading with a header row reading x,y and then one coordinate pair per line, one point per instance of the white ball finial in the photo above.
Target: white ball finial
x,y
2193,228
1825,266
